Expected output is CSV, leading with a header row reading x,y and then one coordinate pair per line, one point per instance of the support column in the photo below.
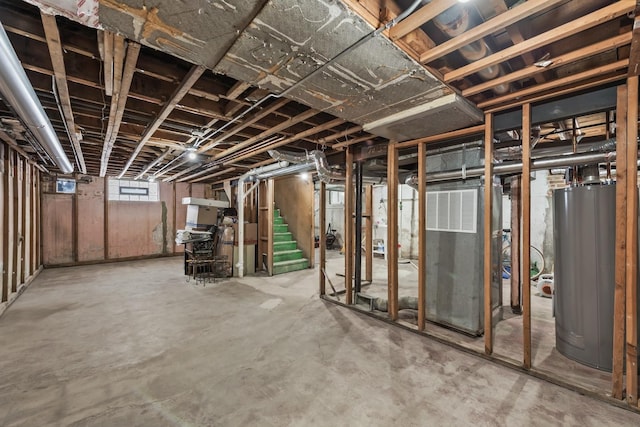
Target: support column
x,y
620,248
422,236
358,229
348,226
632,242
392,230
368,275
526,234
323,237
488,196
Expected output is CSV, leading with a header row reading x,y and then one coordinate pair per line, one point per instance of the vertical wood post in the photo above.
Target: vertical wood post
x,y
526,234
348,226
488,196
422,236
322,207
3,230
392,230
621,247
106,217
632,242
368,274
516,214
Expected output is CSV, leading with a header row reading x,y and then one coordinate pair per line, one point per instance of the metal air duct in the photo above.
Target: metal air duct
x,y
19,94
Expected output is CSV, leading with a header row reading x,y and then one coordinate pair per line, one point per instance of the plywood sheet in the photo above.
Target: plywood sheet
x,y
91,220
57,228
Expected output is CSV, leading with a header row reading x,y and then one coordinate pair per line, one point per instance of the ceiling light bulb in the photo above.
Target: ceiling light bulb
x,y
192,155
304,175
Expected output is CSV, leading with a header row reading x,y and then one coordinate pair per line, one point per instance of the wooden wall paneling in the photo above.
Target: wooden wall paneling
x,y
182,190
348,226
368,273
90,203
105,217
17,197
422,236
35,241
294,197
392,230
10,230
198,190
619,301
632,243
135,229
75,221
488,197
322,220
57,229
526,234
38,215
3,231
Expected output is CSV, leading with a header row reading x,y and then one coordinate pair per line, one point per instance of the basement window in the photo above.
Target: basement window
x,y
454,211
133,191
336,198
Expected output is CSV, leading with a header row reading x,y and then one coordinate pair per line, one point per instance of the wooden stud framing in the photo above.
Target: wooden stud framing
x,y
3,230
106,218
323,237
632,242
368,273
416,19
348,226
422,236
620,248
526,235
392,230
516,214
488,267
270,212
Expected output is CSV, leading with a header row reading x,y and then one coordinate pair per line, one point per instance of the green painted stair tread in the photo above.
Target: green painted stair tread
x,y
285,246
288,266
280,228
291,255
282,237
278,220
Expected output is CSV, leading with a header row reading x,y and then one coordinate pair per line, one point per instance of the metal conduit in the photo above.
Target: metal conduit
x,y
19,94
510,168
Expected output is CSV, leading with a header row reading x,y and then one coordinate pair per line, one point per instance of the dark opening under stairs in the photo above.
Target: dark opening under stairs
x,y
286,255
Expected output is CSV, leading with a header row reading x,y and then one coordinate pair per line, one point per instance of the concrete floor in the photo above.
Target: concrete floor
x,y
132,344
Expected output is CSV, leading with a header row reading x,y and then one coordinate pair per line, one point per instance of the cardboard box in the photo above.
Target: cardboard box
x,y
250,233
201,217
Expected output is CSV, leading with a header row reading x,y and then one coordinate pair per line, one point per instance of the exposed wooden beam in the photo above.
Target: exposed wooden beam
x,y
422,236
190,79
425,14
559,92
151,165
473,130
339,135
348,227
499,22
52,35
591,20
183,172
526,235
619,295
392,231
280,127
353,141
632,243
213,175
122,84
634,54
248,122
488,235
296,137
537,89
108,41
573,56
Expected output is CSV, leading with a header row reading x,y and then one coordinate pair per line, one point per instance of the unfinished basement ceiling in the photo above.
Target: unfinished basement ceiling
x,y
150,81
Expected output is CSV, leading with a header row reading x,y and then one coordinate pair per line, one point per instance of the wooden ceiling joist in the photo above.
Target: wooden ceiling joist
x,y
57,60
122,82
591,20
499,22
151,165
183,172
213,175
537,89
190,79
634,54
568,58
108,40
425,14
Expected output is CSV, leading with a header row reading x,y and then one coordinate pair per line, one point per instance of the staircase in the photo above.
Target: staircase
x,y
286,255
